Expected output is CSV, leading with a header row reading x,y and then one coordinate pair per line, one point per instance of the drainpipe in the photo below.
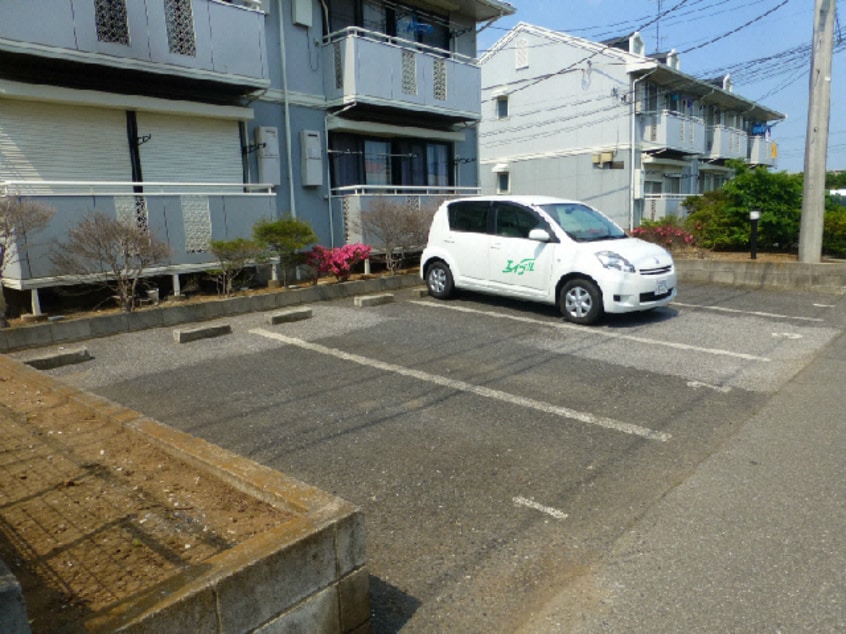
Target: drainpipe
x,y
633,148
328,180
287,109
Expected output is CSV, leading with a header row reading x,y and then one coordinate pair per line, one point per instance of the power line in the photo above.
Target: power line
x,y
740,28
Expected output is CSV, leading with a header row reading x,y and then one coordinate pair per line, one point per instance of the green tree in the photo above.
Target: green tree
x,y
720,220
284,239
233,256
835,180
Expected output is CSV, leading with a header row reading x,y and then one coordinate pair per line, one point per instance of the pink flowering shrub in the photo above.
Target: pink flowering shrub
x,y
338,261
667,232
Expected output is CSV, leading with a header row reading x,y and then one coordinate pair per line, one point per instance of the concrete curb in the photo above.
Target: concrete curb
x,y
51,333
13,615
308,574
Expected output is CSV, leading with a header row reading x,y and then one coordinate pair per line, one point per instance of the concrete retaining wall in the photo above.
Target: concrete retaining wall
x,y
13,615
306,575
46,334
826,277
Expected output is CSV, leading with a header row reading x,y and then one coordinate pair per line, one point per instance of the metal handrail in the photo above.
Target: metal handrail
x,y
99,188
421,190
393,40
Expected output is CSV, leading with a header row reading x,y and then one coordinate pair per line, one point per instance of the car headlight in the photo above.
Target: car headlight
x,y
611,260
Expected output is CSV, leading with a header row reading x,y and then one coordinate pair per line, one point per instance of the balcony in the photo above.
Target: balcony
x,y
185,215
667,130
349,202
726,143
762,151
371,68
658,206
214,40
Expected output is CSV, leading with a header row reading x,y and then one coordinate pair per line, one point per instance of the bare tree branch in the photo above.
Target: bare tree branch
x,y
19,218
105,251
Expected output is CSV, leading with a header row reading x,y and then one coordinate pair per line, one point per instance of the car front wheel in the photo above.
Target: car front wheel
x,y
439,280
580,301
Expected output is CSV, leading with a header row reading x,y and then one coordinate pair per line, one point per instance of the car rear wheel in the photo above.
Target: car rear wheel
x,y
439,280
580,301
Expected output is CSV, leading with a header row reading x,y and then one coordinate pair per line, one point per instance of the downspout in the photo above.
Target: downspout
x,y
326,145
287,109
329,181
633,149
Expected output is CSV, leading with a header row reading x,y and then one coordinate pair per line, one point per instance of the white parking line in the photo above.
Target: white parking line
x,y
462,386
559,515
598,332
725,389
756,313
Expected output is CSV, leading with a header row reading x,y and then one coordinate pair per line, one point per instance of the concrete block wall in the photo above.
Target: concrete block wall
x,y
13,615
825,277
62,331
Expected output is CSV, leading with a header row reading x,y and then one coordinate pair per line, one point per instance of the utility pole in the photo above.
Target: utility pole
x,y
816,136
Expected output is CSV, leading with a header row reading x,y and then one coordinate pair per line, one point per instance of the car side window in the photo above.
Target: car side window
x,y
514,221
469,215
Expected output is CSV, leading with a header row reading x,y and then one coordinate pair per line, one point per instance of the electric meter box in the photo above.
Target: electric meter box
x,y
269,166
312,158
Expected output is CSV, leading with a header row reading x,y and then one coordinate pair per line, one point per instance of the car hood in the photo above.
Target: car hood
x,y
642,254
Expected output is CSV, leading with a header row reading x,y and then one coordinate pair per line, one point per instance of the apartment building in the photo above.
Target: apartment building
x,y
198,118
378,100
603,122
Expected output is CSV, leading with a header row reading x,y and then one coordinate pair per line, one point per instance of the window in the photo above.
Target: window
x,y
112,21
180,27
373,16
392,19
503,183
437,157
513,221
377,163
468,216
358,160
502,107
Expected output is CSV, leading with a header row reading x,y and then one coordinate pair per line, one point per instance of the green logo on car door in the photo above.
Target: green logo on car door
x,y
524,265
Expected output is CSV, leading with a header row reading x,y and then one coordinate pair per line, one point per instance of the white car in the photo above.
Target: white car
x,y
547,250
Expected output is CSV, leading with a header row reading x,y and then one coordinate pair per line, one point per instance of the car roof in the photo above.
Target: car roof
x,y
524,199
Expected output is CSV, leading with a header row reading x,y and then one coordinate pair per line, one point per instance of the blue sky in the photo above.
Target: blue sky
x,y
763,44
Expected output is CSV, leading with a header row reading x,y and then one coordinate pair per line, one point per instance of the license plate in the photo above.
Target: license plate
x,y
661,287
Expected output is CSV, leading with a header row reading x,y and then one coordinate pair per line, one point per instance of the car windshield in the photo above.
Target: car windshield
x,y
582,223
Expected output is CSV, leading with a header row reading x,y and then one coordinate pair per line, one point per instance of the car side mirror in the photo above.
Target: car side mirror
x,y
540,235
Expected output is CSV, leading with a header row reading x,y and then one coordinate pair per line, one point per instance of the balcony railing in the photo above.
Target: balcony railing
x,y
349,202
658,206
672,131
185,215
725,142
368,67
225,41
762,151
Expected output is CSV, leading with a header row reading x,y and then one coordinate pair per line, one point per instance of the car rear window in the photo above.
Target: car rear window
x,y
468,215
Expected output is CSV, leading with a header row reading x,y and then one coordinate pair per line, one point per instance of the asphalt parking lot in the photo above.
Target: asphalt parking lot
x,y
497,451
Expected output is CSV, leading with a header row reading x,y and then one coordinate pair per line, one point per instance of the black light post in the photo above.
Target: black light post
x,y
754,216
